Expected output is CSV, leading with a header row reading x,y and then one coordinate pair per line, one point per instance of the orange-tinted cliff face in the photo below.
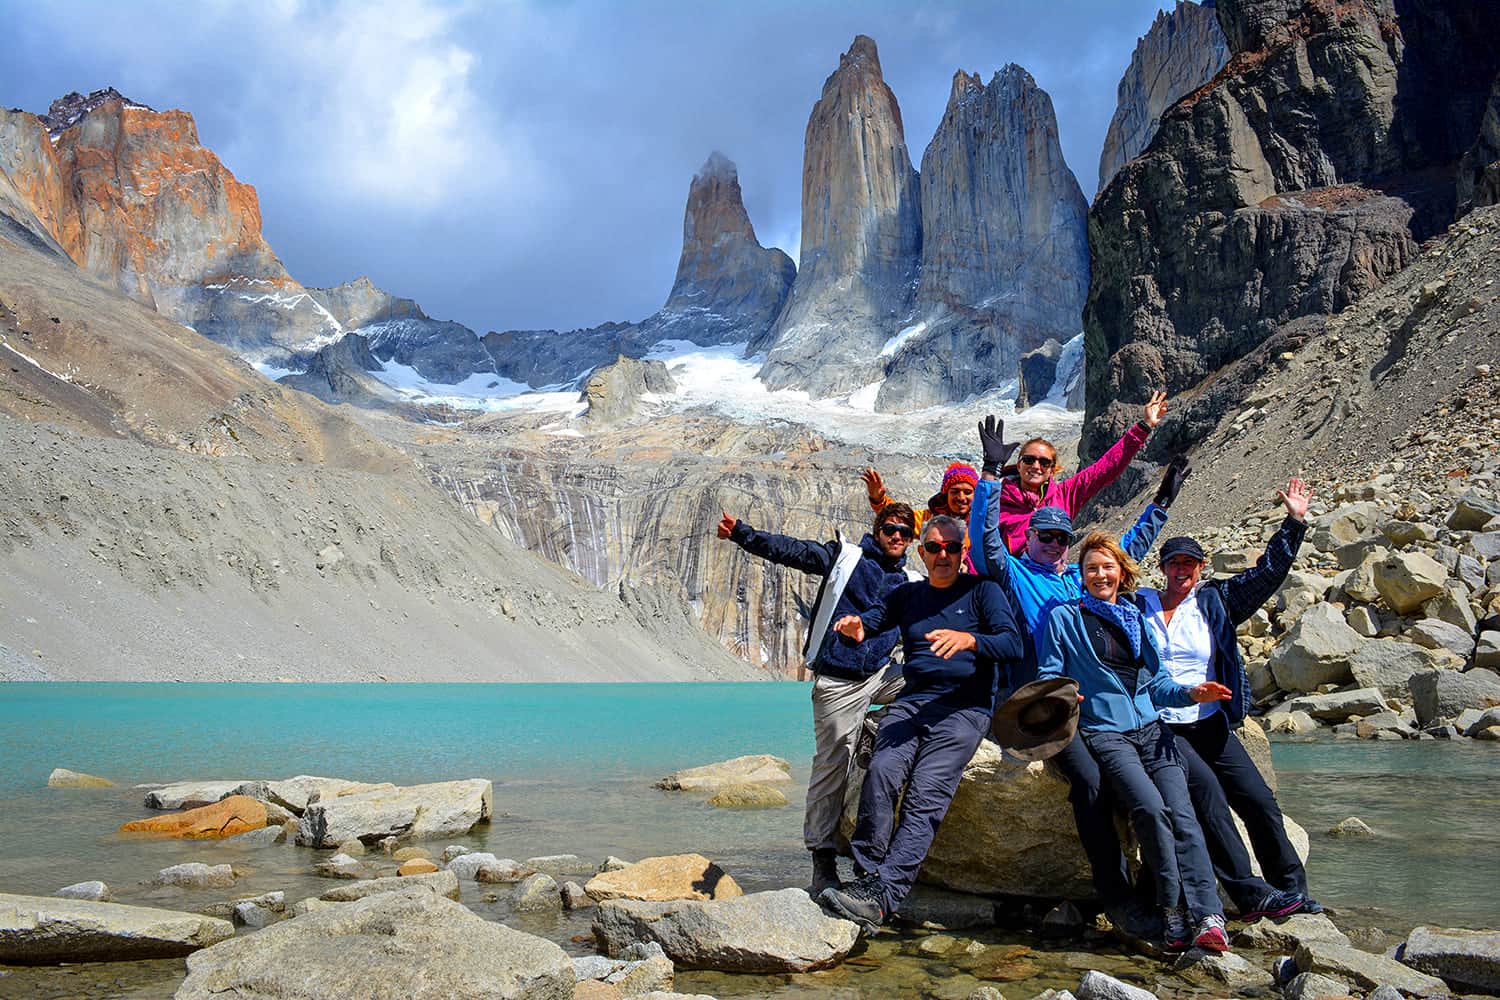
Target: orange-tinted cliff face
x,y
140,203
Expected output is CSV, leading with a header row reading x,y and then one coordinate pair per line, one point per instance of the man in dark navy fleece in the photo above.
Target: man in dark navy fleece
x,y
957,630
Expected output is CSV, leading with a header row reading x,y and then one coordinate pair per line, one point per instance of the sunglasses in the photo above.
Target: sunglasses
x,y
1041,460
896,529
952,548
1053,537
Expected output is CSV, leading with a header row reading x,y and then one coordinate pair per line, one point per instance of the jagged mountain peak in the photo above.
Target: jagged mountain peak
x,y
717,166
964,85
862,52
68,110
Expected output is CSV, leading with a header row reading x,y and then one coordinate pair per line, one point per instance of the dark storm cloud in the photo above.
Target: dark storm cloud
x,y
526,165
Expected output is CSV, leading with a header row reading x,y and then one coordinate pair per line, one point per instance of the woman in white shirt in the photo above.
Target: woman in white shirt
x,y
1194,622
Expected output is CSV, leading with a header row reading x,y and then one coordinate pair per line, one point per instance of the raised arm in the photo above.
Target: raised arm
x,y
813,558
1081,487
994,562
1246,592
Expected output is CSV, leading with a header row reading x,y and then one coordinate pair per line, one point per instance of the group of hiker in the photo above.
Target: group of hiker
x,y
1129,692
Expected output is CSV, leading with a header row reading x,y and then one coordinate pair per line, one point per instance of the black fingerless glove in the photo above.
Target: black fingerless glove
x,y
992,439
1171,481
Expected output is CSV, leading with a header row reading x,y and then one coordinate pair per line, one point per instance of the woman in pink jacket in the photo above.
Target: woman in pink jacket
x,y
1031,483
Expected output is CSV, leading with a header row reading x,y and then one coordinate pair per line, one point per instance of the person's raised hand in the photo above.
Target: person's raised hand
x,y
947,641
726,524
1297,496
1156,408
1211,691
1171,481
997,451
851,627
874,485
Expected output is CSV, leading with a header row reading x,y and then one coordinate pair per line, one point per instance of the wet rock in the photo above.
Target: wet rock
x,y
1315,651
1097,985
1339,705
417,866
1443,694
266,836
260,911
1437,634
941,909
762,769
343,866
575,897
415,946
96,892
410,854
783,931
646,969
1062,921
1380,725
236,814
1365,970
417,812
1487,720
1406,579
1389,665
1289,933
466,865
560,864
190,794
1467,960
1351,828
612,864
537,894
1228,969
61,777
677,876
1314,986
196,875
437,883
42,930
748,796
502,871
453,851
353,848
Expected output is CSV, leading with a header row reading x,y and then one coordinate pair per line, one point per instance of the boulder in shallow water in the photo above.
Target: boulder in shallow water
x,y
95,891
295,793
1352,828
1289,933
758,769
560,864
676,876
236,814
190,794
1097,985
748,796
343,866
1469,961
1365,970
537,894
42,930
417,866
416,812
1444,694
782,931
196,875
266,836
61,777
393,945
437,883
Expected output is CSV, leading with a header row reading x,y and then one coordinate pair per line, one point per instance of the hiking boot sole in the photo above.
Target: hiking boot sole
x,y
867,927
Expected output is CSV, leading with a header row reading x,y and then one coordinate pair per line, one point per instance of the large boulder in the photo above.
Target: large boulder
x,y
752,769
295,793
1407,579
1290,933
1365,970
1338,706
42,930
391,946
1317,650
438,883
1464,959
1388,665
236,814
415,812
61,777
1443,694
190,794
782,931
676,876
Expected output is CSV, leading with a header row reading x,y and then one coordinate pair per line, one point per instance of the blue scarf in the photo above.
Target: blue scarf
x,y
1122,613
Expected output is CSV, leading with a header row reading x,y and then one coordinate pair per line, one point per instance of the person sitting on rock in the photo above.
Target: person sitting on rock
x,y
848,676
1194,623
1031,483
1040,579
1104,644
957,631
954,498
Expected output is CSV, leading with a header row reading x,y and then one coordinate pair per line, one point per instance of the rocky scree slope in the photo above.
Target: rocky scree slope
x,y
169,514
1295,182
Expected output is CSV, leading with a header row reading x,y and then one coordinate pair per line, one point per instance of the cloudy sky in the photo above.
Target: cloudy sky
x,y
524,164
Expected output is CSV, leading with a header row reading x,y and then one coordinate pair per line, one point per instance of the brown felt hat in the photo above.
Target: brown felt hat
x,y
1038,719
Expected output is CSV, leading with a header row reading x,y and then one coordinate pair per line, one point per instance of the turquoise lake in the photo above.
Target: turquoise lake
x,y
573,767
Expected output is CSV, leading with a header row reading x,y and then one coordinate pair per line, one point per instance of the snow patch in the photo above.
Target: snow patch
x,y
1069,371
271,371
901,339
485,391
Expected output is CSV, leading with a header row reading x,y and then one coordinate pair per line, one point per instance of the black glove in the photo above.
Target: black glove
x,y
992,440
1171,481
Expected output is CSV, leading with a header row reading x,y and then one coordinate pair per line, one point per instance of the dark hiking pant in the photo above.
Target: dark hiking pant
x,y
922,748
1094,815
1221,777
1147,777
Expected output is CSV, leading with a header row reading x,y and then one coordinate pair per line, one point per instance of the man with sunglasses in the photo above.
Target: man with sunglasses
x,y
849,676
1040,579
958,632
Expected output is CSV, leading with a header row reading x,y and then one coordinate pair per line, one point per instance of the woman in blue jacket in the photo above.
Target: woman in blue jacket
x,y
1103,643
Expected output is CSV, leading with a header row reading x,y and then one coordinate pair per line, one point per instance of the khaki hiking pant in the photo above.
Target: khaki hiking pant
x,y
839,708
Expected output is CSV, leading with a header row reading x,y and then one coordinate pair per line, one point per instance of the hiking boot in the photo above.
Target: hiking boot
x,y
1276,903
1211,934
1174,922
825,871
859,901
1310,905
1134,918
